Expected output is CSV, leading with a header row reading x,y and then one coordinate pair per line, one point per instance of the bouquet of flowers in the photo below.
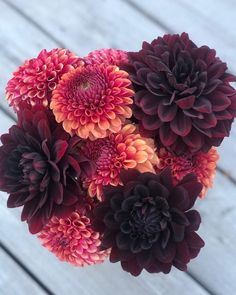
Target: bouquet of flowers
x,y
111,151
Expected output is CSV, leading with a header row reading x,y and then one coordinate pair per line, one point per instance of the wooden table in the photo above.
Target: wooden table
x,y
82,26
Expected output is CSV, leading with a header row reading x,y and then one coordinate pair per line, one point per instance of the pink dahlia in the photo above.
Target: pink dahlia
x,y
107,56
73,240
125,150
202,164
93,101
33,82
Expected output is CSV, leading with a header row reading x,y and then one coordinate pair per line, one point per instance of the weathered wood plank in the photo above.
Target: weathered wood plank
x,y
215,267
180,16
84,26
13,280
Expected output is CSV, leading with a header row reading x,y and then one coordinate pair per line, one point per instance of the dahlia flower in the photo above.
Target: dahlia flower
x,y
107,56
148,223
203,165
33,82
73,240
124,150
182,94
41,168
93,101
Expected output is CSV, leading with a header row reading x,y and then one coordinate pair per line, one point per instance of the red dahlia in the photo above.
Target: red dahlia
x,y
182,94
33,82
93,101
41,168
148,223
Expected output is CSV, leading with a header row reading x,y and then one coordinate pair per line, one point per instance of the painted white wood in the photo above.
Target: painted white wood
x,y
205,24
84,26
216,266
13,281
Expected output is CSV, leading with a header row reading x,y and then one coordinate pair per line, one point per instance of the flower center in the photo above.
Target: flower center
x,y
87,88
148,218
104,153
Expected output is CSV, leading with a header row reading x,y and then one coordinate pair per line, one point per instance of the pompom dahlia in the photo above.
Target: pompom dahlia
x,y
148,223
41,168
33,82
107,56
124,150
203,165
93,101
182,94
73,240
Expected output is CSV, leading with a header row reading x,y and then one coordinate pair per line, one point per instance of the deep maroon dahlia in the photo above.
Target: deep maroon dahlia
x,y
148,223
183,96
40,168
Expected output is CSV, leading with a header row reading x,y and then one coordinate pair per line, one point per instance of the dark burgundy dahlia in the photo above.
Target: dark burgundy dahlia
x,y
40,168
183,96
148,223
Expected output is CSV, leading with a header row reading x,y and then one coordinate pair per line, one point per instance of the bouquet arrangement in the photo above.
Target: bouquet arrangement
x,y
111,151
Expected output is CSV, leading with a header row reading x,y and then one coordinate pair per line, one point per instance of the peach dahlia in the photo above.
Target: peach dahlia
x,y
93,101
73,240
33,82
124,150
202,164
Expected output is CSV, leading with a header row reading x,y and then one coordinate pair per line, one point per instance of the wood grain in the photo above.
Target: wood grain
x,y
13,281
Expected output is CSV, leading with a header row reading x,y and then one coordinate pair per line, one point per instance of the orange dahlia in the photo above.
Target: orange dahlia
x,y
202,164
109,56
124,150
93,101
73,240
33,82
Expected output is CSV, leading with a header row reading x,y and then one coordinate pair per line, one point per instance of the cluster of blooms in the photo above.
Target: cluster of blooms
x,y
111,151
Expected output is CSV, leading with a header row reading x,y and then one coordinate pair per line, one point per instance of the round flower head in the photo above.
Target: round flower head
x,y
182,94
41,168
124,150
73,240
33,82
203,165
107,56
148,223
93,101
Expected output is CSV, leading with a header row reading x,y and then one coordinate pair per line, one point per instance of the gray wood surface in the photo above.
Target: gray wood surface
x,y
13,281
82,26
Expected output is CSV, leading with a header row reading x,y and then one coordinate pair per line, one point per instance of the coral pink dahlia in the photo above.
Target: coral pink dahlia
x,y
124,150
93,101
34,81
202,164
108,56
73,240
